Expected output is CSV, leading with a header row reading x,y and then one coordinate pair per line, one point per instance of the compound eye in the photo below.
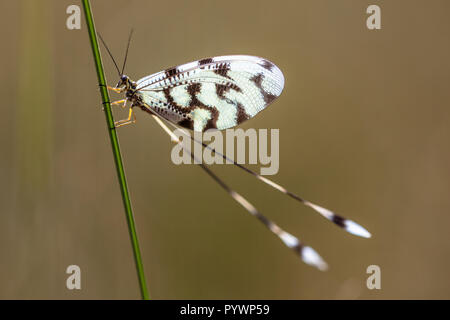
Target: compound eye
x,y
123,78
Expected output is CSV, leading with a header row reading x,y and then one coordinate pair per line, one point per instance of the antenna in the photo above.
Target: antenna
x,y
109,52
126,52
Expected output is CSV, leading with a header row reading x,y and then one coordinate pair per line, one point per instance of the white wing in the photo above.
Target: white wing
x,y
218,92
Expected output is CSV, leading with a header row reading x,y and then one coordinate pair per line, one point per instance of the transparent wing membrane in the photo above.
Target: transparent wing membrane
x,y
218,92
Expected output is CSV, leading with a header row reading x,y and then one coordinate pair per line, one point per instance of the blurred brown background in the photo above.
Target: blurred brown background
x,y
364,130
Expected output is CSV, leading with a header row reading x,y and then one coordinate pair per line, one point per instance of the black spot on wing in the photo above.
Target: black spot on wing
x,y
205,61
268,97
234,87
298,248
339,220
221,89
193,89
266,65
223,73
171,72
269,224
212,122
172,106
241,114
167,95
222,69
187,123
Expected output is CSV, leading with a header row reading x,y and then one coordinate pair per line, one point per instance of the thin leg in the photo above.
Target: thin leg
x,y
124,122
123,101
116,90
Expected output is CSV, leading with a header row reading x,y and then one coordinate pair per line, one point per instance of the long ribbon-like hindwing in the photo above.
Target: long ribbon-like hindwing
x,y
346,224
308,254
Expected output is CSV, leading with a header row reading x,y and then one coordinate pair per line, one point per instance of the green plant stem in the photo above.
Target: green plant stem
x,y
115,149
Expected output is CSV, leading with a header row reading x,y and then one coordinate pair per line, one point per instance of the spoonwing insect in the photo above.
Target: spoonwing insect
x,y
219,93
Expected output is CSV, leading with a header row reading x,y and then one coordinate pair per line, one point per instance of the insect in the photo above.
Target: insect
x,y
219,93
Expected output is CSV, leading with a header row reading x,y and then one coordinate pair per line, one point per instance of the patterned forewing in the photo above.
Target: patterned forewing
x,y
213,93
